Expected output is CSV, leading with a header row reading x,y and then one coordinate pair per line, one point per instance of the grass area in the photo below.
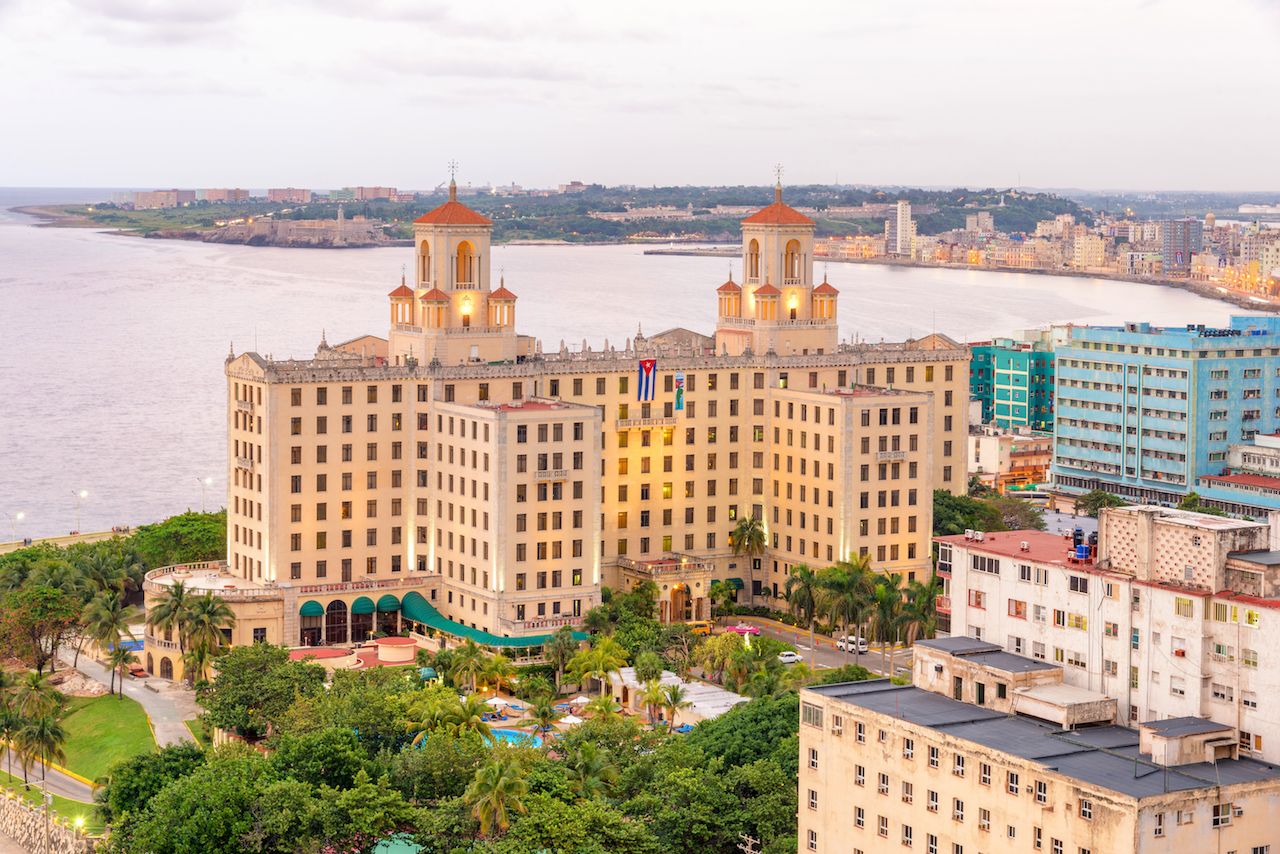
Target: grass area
x,y
199,731
103,730
66,808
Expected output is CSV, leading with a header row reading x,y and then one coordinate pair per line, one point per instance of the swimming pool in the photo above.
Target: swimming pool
x,y
516,737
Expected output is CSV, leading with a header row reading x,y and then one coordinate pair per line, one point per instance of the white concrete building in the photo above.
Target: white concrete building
x,y
1172,613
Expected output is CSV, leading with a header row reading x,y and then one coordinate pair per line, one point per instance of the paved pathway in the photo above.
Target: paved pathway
x,y
59,783
826,655
168,705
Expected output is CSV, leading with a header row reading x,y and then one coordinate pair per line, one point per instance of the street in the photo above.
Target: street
x,y
826,656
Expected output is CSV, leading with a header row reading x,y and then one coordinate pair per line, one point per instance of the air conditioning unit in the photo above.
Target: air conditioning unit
x,y
1180,653
1025,546
968,533
978,536
937,668
1237,811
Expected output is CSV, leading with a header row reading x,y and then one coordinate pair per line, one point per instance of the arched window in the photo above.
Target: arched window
x,y
424,263
335,622
151,664
792,263
753,261
166,668
465,273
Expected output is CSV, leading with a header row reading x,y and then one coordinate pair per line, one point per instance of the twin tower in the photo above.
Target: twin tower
x,y
451,315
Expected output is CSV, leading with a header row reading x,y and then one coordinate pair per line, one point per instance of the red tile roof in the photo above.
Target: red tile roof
x,y
1042,547
825,290
434,295
767,290
1260,480
502,293
778,213
402,291
453,212
730,287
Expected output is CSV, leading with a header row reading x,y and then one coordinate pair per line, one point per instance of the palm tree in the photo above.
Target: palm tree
x,y
424,717
919,613
468,663
106,621
42,738
558,649
497,673
119,659
543,714
591,773
207,616
497,791
721,596
467,715
749,539
845,597
677,700
35,696
654,698
603,708
886,609
597,621
195,663
801,594
604,657
103,570
169,613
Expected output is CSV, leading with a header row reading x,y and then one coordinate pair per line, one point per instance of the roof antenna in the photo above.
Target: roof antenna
x,y
777,188
453,180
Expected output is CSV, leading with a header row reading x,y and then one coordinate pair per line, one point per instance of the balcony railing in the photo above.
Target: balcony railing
x,y
665,566
890,456
626,423
942,604
553,474
227,590
244,463
408,327
244,405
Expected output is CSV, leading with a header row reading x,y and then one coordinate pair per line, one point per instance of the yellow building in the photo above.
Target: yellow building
x,y
346,511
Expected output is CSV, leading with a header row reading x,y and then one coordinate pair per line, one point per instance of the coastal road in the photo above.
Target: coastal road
x,y
58,783
824,655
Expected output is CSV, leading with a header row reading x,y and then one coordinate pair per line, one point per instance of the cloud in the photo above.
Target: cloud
x,y
473,67
157,21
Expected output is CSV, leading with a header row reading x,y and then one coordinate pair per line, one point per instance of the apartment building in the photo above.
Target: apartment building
x,y
1249,483
1013,379
345,478
1009,459
887,767
1143,411
1172,613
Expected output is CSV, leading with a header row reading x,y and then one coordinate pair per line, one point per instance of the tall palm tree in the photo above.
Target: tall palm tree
x,y
169,613
42,738
35,696
106,621
604,657
468,663
10,720
591,772
104,570
919,612
886,610
603,708
749,539
677,701
424,717
845,597
801,594
119,659
207,616
497,791
543,714
467,715
558,649
654,698
497,673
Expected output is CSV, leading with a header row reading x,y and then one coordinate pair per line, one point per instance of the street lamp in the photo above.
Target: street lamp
x,y
205,482
14,519
80,497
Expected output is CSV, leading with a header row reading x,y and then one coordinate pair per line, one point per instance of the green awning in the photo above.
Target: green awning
x,y
735,583
311,608
427,673
363,605
388,603
418,609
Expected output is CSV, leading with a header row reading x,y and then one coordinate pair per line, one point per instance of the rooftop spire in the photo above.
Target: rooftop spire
x,y
777,187
453,182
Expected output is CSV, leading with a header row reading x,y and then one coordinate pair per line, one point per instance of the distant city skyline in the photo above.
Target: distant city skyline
x,y
1134,94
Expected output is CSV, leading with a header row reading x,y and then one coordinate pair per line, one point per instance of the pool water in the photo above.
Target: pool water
x,y
516,737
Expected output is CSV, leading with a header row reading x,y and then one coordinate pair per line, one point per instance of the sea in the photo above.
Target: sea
x,y
112,347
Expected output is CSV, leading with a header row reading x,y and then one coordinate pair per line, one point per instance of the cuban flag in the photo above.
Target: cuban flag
x,y
647,379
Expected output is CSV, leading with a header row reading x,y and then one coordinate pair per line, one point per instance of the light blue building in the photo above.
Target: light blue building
x,y
1143,411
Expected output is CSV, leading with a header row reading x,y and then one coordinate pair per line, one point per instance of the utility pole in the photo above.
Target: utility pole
x,y
749,844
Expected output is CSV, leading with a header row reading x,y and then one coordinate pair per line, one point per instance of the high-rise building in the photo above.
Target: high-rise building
x,y
1142,411
1013,380
980,223
1170,613
989,751
900,230
289,195
1179,240
1088,252
464,479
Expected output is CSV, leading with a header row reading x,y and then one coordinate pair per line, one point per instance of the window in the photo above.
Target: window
x,y
813,799
1086,809
931,802
811,715
984,774
1221,815
1158,828
882,826
859,775
1012,783
933,757
860,732
882,784
907,839
813,840
957,809
984,820
1078,584
1042,792
908,748
859,817
908,792
1182,606
813,758
958,767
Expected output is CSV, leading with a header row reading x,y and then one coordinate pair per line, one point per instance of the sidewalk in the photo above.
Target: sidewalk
x,y
167,706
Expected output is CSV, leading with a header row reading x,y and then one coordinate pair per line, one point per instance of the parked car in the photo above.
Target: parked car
x,y
789,656
852,644
700,627
744,629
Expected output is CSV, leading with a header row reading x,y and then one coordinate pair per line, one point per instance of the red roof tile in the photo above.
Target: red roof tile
x,y
778,213
825,290
453,212
502,293
402,291
1260,480
730,287
434,295
1042,547
767,290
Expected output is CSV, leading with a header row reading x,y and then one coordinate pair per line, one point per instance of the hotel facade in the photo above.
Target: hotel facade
x,y
454,475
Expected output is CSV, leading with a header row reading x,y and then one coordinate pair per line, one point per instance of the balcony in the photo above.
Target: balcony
x,y
552,474
244,405
942,604
666,567
244,463
407,327
890,456
629,423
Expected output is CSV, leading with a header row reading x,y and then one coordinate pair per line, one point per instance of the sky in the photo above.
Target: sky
x,y
1134,94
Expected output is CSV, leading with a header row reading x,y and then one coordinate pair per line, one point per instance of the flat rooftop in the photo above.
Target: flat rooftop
x,y
986,654
1105,756
1175,727
209,581
1042,547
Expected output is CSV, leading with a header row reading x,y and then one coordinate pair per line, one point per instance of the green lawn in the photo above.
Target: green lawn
x,y
103,730
199,731
66,808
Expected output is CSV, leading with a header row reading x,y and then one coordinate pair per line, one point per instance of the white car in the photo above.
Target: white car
x,y
852,644
789,657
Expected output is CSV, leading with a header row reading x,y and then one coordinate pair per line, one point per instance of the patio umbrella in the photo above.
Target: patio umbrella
x,y
496,701
571,720
580,700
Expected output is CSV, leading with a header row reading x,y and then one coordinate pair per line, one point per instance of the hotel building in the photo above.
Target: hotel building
x,y
457,476
1143,411
1172,613
991,752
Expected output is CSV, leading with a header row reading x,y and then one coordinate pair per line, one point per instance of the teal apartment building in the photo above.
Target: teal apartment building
x,y
1144,412
1013,380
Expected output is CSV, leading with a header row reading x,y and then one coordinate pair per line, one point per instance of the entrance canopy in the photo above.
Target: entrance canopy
x,y
363,605
734,583
418,609
388,603
311,608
